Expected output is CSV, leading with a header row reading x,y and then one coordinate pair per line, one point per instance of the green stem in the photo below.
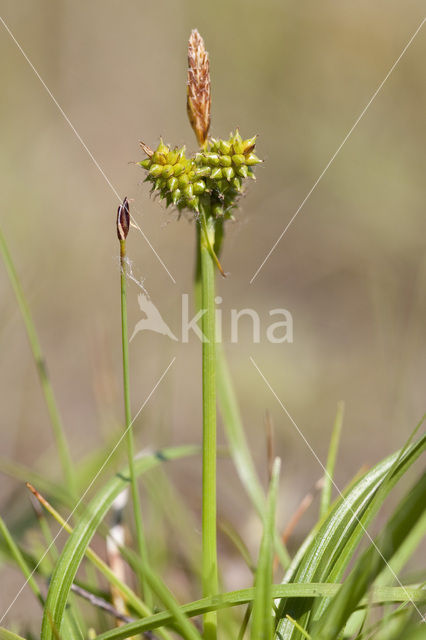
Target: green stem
x,y
46,385
209,560
140,536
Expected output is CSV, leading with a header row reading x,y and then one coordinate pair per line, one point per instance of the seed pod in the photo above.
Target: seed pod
x,y
225,161
156,170
249,144
167,171
238,159
252,159
228,173
178,169
225,147
189,192
216,173
176,194
199,187
243,171
212,159
172,184
203,172
183,180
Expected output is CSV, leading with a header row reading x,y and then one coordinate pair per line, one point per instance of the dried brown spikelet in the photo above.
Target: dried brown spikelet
x,y
198,93
149,152
123,220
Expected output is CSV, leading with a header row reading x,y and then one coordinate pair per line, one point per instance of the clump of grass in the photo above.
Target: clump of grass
x,y
317,597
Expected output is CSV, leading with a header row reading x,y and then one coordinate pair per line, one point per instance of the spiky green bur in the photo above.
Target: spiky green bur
x,y
173,177
216,174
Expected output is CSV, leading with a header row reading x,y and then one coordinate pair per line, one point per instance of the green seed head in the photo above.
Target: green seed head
x,y
217,173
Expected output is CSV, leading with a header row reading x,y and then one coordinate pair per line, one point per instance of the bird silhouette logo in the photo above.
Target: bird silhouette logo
x,y
153,320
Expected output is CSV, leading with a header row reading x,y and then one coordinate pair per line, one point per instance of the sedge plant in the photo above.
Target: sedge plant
x,y
328,590
208,185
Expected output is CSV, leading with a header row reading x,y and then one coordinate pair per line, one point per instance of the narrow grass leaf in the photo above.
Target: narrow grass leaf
x,y
9,635
301,630
39,360
331,548
331,460
403,554
20,561
157,586
246,596
238,445
371,562
262,619
75,548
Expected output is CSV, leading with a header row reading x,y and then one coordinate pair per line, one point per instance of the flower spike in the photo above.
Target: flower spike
x,y
198,92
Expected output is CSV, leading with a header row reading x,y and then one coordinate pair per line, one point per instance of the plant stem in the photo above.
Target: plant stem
x,y
40,362
209,560
140,537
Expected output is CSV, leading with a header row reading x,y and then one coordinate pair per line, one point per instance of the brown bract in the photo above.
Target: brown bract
x,y
123,220
149,152
198,95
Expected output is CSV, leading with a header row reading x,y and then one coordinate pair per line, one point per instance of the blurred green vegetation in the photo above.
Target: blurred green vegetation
x,y
351,268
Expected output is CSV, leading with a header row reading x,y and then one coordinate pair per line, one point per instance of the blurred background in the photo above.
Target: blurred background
x,y
351,269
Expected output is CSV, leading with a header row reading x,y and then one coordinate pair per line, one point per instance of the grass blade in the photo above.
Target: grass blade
x,y
127,593
186,628
74,550
9,635
331,460
238,445
20,561
371,562
262,621
331,548
406,550
246,596
40,362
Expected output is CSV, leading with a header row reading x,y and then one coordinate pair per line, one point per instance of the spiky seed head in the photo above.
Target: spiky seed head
x,y
198,91
215,174
123,220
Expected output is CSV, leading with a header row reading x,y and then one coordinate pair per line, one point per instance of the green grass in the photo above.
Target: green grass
x,y
318,598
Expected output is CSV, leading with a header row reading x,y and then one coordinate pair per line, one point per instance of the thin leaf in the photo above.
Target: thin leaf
x,y
164,594
246,596
262,621
330,549
371,562
9,635
238,445
73,552
331,460
403,554
40,363
20,561
301,630
239,544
